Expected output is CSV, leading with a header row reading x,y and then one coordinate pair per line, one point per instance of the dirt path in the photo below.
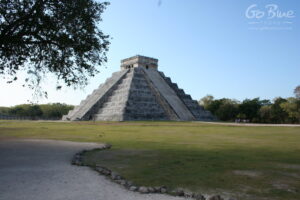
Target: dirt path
x,y
41,170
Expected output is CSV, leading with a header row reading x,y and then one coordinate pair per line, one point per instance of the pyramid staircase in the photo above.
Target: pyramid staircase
x,y
198,111
86,107
139,92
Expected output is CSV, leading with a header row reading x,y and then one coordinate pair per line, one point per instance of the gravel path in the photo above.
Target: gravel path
x,y
41,170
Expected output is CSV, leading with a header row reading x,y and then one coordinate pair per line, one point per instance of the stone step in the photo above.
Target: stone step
x,y
96,95
191,104
169,95
114,103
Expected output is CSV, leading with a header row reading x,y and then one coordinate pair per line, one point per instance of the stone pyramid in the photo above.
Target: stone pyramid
x,y
139,92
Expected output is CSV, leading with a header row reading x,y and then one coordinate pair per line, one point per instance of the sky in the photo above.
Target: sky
x,y
228,49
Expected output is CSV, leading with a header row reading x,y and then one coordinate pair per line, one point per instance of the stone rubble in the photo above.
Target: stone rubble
x,y
215,197
77,160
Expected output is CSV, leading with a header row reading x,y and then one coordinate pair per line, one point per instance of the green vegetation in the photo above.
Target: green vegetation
x,y
278,111
61,38
35,111
254,110
297,92
245,162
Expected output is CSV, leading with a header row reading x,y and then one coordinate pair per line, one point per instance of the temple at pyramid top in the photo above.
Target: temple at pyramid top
x,y
139,92
139,61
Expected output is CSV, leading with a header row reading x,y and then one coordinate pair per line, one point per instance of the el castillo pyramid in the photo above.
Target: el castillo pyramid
x,y
139,92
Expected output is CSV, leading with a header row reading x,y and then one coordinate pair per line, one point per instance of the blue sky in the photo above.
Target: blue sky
x,y
207,47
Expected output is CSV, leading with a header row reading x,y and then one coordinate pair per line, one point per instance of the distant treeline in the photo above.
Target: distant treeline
x,y
36,111
280,110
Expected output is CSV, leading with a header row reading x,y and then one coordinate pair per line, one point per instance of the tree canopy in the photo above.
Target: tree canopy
x,y
297,92
35,111
61,37
279,110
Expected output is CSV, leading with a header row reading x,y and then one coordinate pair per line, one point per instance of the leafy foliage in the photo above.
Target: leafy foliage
x,y
55,110
254,110
34,111
250,107
4,110
278,115
265,113
52,36
297,92
292,108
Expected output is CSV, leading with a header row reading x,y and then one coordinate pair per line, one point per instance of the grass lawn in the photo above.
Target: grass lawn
x,y
243,162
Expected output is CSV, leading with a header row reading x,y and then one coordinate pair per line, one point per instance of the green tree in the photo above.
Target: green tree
x,y
34,111
4,110
265,114
46,111
19,110
256,110
250,108
278,115
206,101
292,108
297,92
224,109
227,110
61,37
26,110
55,110
214,106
